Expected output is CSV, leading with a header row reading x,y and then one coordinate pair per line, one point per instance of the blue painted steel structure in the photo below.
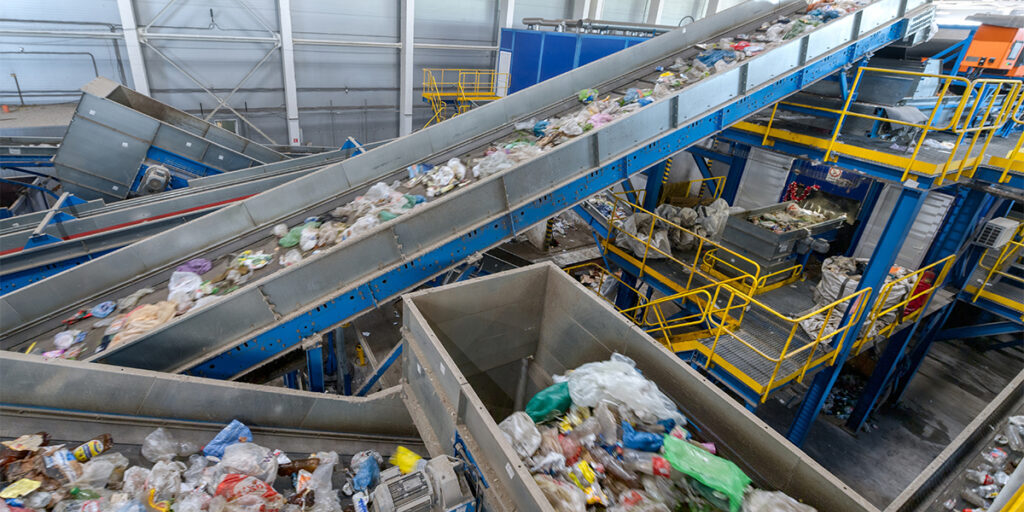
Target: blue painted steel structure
x,y
539,55
907,207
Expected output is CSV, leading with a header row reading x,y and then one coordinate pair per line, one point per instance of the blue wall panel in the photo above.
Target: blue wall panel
x,y
559,55
538,55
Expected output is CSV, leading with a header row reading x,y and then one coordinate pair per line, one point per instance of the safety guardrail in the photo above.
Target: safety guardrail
x,y
1011,251
804,330
463,86
984,106
885,317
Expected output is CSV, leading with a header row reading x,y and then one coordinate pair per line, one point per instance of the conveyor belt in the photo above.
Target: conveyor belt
x,y
275,311
100,229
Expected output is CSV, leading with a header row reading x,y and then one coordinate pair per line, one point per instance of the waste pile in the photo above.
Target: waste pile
x,y
231,473
679,228
840,276
202,281
728,52
605,436
790,218
984,482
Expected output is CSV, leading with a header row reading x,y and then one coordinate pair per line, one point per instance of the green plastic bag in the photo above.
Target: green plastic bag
x,y
587,95
549,403
715,472
294,234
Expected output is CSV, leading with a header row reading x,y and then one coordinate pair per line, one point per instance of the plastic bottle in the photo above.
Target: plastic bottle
x,y
971,496
79,506
988,491
93,447
648,463
84,494
296,465
978,477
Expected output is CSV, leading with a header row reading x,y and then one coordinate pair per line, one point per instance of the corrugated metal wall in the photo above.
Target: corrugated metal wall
x,y
342,90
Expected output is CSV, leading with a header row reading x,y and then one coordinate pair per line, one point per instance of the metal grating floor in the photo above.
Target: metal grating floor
x,y
769,335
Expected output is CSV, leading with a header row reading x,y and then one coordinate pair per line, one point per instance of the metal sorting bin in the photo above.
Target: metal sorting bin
x,y
464,349
944,477
75,401
765,246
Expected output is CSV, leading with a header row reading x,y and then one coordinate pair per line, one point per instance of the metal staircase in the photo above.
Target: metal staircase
x,y
276,312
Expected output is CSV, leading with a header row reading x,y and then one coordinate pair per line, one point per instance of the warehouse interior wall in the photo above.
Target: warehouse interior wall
x,y
346,84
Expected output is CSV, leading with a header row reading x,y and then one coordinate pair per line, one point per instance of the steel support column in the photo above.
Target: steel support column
x,y
140,80
405,64
506,14
736,167
596,9
291,97
889,243
315,367
580,9
917,355
652,191
867,206
654,10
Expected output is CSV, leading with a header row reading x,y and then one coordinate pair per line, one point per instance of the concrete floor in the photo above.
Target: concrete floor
x,y
956,381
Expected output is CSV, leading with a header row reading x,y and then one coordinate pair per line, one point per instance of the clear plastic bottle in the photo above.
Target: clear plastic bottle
x,y
647,463
988,491
971,496
978,477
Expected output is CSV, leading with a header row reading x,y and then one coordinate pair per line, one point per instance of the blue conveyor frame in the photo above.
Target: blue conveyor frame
x,y
560,179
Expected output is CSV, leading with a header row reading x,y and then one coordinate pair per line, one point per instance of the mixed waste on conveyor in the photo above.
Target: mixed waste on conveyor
x,y
201,282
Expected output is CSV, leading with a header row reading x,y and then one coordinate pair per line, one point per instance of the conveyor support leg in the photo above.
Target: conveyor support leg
x,y
907,207
916,357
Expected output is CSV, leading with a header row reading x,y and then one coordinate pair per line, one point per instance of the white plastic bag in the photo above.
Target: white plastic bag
x,y
492,164
134,483
187,282
193,476
619,381
165,478
195,501
639,225
290,258
280,230
250,459
562,495
308,238
159,445
764,501
521,433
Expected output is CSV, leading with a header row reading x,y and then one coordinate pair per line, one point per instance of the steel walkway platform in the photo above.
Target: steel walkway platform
x,y
275,312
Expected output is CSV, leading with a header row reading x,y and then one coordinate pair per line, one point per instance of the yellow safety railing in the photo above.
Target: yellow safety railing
x,y
883,320
703,245
642,313
693,191
802,342
712,264
1012,251
970,119
1015,154
462,86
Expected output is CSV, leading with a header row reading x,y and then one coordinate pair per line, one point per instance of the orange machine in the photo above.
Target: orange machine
x,y
996,48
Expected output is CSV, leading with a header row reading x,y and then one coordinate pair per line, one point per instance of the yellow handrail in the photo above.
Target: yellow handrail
x,y
962,122
1015,244
703,244
1018,109
747,302
879,311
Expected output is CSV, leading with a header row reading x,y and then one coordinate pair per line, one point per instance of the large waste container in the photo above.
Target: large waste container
x,y
465,346
75,401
